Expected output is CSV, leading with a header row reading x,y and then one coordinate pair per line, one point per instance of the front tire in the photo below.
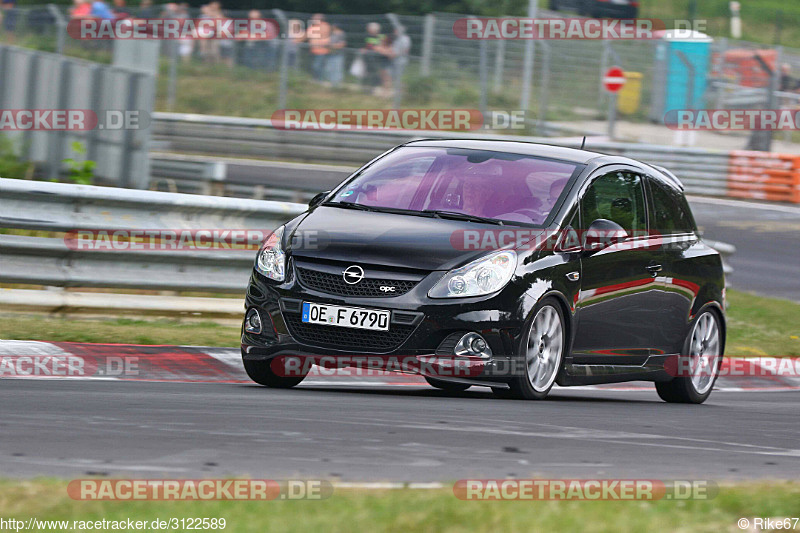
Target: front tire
x,y
261,372
703,348
448,386
542,352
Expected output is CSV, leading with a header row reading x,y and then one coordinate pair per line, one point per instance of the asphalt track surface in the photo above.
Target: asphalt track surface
x,y
767,240
73,428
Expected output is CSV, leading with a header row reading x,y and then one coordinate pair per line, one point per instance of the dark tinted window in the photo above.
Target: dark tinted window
x,y
670,212
617,196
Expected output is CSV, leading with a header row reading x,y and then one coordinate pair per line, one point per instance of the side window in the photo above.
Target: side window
x,y
670,212
617,196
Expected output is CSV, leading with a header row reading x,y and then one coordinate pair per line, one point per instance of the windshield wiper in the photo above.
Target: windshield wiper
x,y
462,216
349,205
378,209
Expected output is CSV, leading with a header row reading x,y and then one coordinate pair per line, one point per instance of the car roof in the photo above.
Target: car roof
x,y
571,155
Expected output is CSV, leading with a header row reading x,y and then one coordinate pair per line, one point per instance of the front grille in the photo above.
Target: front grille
x,y
368,287
347,338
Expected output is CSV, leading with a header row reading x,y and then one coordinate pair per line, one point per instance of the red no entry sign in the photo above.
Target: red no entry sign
x,y
614,79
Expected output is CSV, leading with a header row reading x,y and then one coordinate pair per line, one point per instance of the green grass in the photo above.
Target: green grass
x,y
756,326
762,326
421,510
120,330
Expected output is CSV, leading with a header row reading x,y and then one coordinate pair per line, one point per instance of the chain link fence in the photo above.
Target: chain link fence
x,y
440,71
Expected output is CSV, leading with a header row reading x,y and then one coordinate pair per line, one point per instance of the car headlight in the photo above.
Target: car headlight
x,y
483,276
271,260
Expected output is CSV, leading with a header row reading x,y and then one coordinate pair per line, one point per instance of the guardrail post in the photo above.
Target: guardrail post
x,y
427,43
284,74
604,64
398,83
95,101
527,62
393,20
61,27
30,101
544,91
55,148
499,64
172,84
4,66
483,67
127,178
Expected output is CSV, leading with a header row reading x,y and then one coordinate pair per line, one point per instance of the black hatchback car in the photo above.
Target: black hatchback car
x,y
494,263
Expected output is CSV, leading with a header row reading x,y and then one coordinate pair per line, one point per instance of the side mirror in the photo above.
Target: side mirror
x,y
314,202
602,233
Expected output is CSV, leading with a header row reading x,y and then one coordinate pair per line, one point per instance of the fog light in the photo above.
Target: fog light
x,y
473,345
479,345
252,322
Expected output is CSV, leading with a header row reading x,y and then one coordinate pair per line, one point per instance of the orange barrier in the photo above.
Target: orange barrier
x,y
764,176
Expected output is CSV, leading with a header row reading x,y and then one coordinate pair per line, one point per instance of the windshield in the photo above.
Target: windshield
x,y
508,187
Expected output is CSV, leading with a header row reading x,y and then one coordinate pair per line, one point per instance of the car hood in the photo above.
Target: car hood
x,y
388,239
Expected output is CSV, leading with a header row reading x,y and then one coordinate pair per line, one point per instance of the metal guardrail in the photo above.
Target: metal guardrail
x,y
244,178
59,207
702,171
37,205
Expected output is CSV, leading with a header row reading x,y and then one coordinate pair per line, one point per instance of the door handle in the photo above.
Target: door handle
x,y
654,269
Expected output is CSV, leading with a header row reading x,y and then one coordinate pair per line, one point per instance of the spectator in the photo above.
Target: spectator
x,y
227,47
209,47
788,82
120,10
81,9
146,9
319,40
297,35
8,15
170,10
335,70
101,10
401,46
259,53
376,57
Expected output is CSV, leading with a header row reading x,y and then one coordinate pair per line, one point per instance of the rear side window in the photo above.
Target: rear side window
x,y
670,212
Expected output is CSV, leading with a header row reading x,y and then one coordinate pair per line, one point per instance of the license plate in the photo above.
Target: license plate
x,y
347,317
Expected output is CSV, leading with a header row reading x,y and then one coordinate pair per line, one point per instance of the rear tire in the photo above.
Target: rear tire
x,y
542,352
448,386
702,356
261,372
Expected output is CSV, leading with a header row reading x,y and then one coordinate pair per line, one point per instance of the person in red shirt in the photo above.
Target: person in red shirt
x,y
81,9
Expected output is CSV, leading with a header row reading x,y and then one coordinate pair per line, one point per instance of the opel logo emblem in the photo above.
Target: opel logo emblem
x,y
353,274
